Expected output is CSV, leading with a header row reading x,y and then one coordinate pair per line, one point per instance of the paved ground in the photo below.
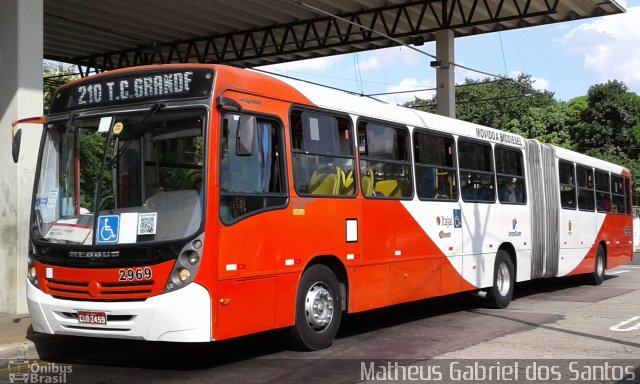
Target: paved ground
x,y
555,321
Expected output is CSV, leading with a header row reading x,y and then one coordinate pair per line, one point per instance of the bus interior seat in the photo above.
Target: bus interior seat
x,y
367,183
348,186
388,188
325,183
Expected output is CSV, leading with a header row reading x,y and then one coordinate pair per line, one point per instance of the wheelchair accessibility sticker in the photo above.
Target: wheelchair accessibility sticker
x,y
108,227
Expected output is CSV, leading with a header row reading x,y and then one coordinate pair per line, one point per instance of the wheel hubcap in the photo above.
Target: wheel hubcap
x,y
503,280
318,307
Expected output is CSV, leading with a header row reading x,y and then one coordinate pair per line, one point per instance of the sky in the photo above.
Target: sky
x,y
563,58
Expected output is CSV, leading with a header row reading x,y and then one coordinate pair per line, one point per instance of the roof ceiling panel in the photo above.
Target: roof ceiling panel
x,y
105,34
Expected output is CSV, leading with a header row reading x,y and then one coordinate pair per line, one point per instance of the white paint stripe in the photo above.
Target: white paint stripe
x,y
618,327
618,272
232,267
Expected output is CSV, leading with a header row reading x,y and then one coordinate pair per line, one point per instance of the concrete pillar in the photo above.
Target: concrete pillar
x,y
445,76
20,96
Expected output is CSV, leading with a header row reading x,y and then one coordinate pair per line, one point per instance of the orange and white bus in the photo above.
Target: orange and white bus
x,y
193,203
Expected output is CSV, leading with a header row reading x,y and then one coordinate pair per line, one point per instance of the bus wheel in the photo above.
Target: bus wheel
x,y
597,276
499,295
318,309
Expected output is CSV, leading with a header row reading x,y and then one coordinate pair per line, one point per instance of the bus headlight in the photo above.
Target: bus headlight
x,y
32,274
186,265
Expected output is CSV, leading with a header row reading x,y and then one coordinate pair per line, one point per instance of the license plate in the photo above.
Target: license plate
x,y
92,318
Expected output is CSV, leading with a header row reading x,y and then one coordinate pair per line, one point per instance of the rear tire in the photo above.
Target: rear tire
x,y
597,276
500,294
318,310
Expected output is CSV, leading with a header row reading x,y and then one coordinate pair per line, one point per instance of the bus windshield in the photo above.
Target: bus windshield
x,y
122,177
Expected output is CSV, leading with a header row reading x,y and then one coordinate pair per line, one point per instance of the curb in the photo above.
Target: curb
x,y
20,350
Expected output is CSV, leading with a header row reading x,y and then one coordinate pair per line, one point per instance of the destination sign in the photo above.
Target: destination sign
x,y
134,87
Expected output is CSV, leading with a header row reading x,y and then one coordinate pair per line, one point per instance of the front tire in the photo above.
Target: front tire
x,y
500,294
318,309
597,276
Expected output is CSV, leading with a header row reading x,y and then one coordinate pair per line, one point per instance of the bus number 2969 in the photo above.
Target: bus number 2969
x,y
134,274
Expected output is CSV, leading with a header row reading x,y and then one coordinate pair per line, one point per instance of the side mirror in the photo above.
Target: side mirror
x,y
15,145
246,130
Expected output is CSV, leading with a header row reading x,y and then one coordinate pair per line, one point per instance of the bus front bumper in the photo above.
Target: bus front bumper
x,y
180,316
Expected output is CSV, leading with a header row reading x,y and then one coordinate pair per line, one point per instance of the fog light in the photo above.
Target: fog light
x,y
184,274
197,244
193,258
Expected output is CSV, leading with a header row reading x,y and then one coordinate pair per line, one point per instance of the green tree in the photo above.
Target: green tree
x,y
610,120
54,75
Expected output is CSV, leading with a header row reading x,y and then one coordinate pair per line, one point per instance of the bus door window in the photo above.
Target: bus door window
x,y
253,182
510,176
585,189
384,160
436,175
322,154
603,191
476,171
617,195
567,185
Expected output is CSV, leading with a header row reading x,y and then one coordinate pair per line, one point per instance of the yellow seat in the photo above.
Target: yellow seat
x,y
324,183
388,188
367,184
348,186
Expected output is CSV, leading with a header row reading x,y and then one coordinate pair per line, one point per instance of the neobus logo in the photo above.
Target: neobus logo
x,y
94,254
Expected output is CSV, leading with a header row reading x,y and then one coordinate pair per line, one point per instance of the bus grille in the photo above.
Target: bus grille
x,y
99,291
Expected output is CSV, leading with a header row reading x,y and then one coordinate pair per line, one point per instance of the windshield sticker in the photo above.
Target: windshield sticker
x,y
117,128
41,202
52,198
147,223
108,227
105,124
128,227
67,232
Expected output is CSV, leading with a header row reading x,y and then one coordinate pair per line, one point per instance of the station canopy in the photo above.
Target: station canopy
x,y
107,34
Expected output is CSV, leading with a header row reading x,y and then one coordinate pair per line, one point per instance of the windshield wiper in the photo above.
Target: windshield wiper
x,y
156,107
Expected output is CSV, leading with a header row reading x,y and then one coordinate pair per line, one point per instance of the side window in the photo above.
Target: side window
x,y
603,191
255,181
510,175
585,189
567,185
476,171
323,158
385,165
617,195
436,175
627,190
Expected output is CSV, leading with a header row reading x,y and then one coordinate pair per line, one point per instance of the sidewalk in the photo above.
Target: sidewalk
x,y
13,337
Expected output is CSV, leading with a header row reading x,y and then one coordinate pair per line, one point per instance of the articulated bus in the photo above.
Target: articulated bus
x,y
191,203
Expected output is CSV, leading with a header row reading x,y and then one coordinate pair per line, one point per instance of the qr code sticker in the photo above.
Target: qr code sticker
x,y
147,223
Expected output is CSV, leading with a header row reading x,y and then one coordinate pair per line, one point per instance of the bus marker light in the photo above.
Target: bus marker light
x,y
49,273
225,301
32,273
184,274
451,248
398,253
232,267
289,262
351,256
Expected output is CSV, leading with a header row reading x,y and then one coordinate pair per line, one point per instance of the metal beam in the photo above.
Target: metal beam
x,y
272,44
